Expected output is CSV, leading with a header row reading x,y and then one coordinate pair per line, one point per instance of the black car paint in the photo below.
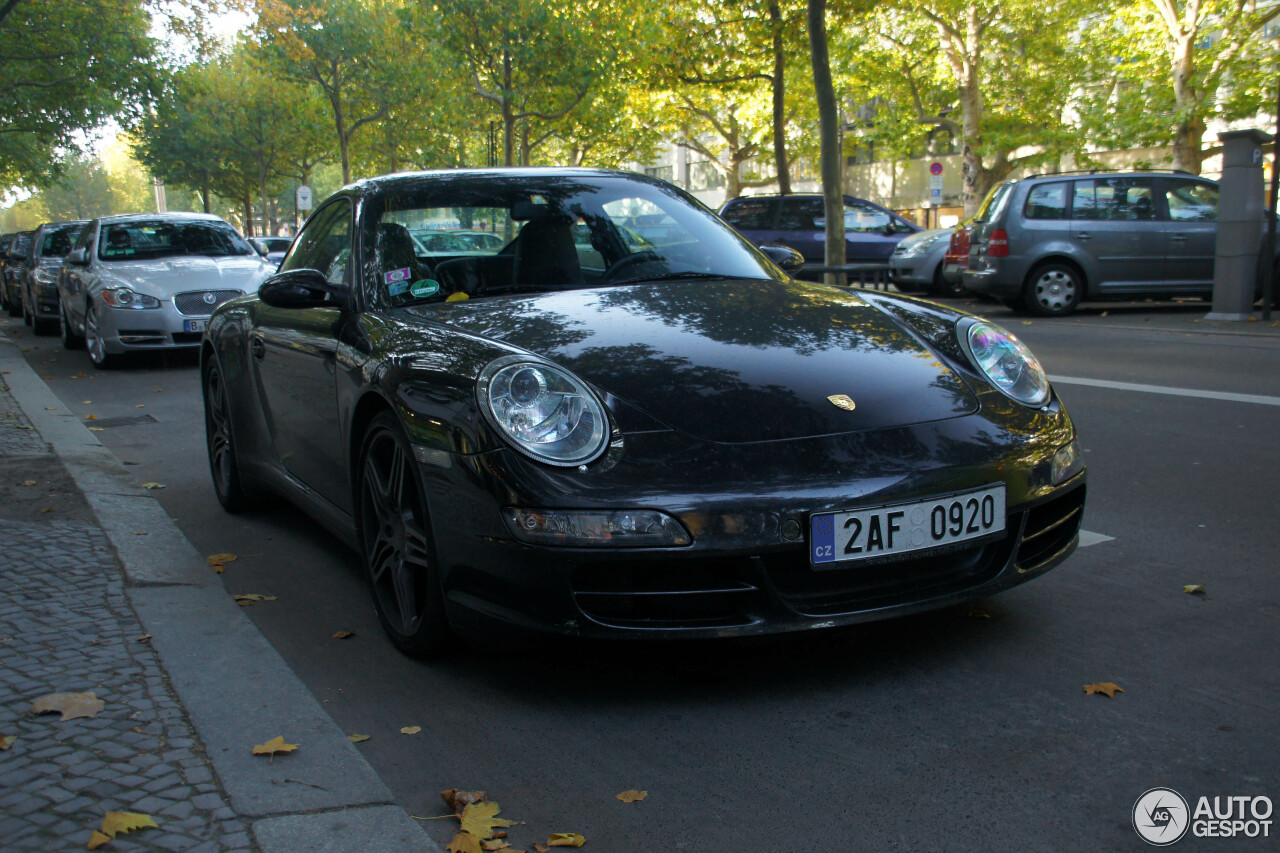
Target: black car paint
x,y
732,477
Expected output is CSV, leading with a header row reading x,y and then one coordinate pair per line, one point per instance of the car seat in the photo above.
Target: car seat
x,y
546,254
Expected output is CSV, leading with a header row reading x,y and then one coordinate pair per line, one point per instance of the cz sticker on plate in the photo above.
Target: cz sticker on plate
x,y
842,537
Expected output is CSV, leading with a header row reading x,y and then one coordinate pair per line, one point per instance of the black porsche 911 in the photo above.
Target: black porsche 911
x,y
597,429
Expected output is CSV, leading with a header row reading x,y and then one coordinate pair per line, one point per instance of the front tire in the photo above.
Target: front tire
x,y
224,463
1053,290
70,340
395,541
93,341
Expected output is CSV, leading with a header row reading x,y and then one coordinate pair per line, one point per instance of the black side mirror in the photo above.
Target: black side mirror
x,y
787,258
300,288
78,257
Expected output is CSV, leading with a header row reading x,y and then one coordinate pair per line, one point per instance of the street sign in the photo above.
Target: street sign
x,y
935,193
935,168
304,197
935,186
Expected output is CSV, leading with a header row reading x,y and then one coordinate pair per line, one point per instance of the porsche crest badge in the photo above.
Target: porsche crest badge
x,y
843,401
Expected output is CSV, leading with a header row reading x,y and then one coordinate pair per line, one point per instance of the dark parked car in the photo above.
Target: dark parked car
x,y
799,221
1050,241
15,256
38,288
683,442
271,248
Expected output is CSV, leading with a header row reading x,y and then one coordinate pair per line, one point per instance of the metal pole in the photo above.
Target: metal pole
x,y
1269,244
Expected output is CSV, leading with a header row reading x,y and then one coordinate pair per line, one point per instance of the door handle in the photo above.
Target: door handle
x,y
257,347
1084,235
1178,238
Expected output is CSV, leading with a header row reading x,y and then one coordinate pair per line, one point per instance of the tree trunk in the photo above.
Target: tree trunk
x,y
248,215
204,197
829,133
1189,130
508,115
779,101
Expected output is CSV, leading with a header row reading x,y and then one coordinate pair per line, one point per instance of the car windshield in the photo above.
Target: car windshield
x,y
484,236
57,241
162,238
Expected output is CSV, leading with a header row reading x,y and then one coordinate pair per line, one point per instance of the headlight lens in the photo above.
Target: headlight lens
x,y
123,297
1008,363
47,275
546,412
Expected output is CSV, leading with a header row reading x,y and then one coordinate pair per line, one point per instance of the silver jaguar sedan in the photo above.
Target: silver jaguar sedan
x,y
150,281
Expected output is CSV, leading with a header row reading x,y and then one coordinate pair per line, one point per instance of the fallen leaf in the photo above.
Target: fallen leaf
x,y
141,406
632,796
410,730
86,402
90,417
70,705
496,844
464,842
1106,688
145,638
117,822
1193,589
566,839
274,746
540,847
101,429
1103,314
28,482
153,485
245,599
6,741
479,819
342,635
357,738
1026,322
979,614
220,559
47,509
459,800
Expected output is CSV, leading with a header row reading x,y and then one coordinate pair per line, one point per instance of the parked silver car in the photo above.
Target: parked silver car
x,y
150,281
916,263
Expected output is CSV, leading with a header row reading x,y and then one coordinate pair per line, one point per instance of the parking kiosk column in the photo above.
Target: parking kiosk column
x,y
1240,219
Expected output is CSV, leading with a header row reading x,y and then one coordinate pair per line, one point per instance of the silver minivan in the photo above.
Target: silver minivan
x,y
1050,241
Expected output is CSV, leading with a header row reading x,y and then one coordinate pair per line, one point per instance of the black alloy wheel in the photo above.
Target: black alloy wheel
x,y
395,541
1053,290
70,340
223,464
14,306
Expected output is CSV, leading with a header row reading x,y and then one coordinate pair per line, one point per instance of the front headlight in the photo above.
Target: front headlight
x,y
547,413
47,275
1007,362
123,297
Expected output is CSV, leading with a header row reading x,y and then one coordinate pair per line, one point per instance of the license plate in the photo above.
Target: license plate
x,y
885,531
193,325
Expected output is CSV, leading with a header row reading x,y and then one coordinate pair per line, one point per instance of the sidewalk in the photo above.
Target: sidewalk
x,y
100,592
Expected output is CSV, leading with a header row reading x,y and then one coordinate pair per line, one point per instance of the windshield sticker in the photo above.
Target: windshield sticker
x,y
426,287
537,199
397,275
456,297
396,288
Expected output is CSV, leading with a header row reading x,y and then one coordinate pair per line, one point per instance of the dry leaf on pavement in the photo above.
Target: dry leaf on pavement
x,y
459,800
28,482
245,599
342,635
357,738
117,822
479,819
1106,688
6,741
566,839
70,705
153,485
410,730
219,560
632,796
496,844
274,746
1193,589
464,842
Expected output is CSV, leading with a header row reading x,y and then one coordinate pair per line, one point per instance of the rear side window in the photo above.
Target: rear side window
x,y
1047,201
803,214
1113,199
751,214
1190,201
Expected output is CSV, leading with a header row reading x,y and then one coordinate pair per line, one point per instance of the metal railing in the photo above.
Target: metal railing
x,y
875,276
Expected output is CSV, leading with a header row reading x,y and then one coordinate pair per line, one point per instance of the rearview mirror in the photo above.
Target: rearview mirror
x,y
78,257
300,288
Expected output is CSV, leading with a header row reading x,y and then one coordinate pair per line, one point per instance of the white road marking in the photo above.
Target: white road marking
x,y
1088,537
1173,392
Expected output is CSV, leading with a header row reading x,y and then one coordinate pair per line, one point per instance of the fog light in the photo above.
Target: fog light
x,y
1067,462
584,528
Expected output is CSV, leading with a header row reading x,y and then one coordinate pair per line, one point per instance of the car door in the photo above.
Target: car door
x,y
1114,219
1191,232
294,355
801,225
754,218
77,278
870,232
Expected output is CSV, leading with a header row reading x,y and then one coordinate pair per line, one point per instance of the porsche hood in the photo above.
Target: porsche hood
x,y
733,361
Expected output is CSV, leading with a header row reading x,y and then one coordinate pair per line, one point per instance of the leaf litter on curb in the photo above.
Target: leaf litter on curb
x,y
117,822
7,741
217,561
632,796
410,730
357,738
275,746
1193,589
247,599
1106,688
342,635
70,705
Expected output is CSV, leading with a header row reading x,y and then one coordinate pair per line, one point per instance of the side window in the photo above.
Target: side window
x,y
1191,201
864,217
324,244
752,214
802,214
1048,201
1113,199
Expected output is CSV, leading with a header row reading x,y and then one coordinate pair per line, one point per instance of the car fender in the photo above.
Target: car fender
x,y
1066,251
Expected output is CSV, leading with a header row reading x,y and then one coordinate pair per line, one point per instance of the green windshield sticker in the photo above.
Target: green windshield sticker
x,y
426,287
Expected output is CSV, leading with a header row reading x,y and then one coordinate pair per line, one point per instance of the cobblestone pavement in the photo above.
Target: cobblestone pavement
x,y
66,626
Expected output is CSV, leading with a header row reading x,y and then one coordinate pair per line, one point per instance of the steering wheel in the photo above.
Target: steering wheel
x,y
648,256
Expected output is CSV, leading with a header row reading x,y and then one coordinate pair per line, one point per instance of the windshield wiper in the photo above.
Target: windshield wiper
x,y
675,276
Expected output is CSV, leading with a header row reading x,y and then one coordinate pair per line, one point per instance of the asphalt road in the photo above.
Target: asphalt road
x,y
964,729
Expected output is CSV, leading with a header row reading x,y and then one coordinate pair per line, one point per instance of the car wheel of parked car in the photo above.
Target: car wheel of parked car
x,y
395,541
941,287
1053,290
44,326
70,340
93,340
26,315
14,306
223,464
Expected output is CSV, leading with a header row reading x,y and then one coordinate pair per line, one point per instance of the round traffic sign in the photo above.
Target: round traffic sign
x,y
935,168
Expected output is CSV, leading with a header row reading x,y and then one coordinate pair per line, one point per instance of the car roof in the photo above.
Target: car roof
x,y
176,216
374,183
1112,173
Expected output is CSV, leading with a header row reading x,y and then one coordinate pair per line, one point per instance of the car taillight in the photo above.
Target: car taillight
x,y
998,244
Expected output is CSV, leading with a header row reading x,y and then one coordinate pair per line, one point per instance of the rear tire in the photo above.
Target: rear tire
x,y
1053,290
395,541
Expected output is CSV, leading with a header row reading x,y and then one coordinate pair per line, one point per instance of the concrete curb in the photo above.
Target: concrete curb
x,y
234,686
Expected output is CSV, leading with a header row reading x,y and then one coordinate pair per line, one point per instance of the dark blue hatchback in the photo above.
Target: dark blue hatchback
x,y
799,221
